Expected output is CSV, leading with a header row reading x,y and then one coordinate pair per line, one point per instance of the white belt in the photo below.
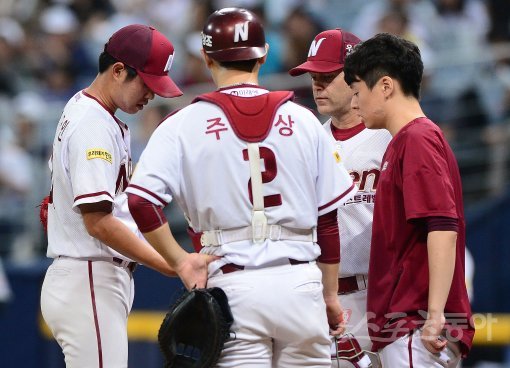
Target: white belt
x,y
362,281
214,238
115,260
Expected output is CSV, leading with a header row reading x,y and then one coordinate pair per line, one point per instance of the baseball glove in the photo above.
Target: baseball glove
x,y
195,329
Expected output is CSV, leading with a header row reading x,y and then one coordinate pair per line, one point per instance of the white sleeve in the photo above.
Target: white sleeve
x,y
93,162
334,184
157,173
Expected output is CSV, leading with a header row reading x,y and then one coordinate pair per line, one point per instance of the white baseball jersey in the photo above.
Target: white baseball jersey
x,y
91,162
361,152
196,158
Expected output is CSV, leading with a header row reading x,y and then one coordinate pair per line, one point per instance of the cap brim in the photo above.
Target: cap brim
x,y
162,85
315,66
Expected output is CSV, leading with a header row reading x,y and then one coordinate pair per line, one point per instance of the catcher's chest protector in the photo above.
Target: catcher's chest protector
x,y
251,118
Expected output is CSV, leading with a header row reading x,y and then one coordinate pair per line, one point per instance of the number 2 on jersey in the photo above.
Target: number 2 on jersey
x,y
269,173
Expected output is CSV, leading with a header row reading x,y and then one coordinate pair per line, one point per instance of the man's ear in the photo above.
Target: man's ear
x,y
387,85
117,69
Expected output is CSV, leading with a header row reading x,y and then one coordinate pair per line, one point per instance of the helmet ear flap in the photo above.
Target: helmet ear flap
x,y
348,348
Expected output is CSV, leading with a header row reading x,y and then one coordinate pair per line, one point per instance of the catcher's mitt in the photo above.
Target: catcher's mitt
x,y
195,329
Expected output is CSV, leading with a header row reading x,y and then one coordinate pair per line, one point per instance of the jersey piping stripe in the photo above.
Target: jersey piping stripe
x,y
410,350
337,198
149,193
96,322
92,195
99,102
158,214
119,122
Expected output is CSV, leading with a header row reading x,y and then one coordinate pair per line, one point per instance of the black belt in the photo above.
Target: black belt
x,y
131,266
231,267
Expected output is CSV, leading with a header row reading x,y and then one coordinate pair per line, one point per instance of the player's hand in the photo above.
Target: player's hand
x,y
431,334
192,269
335,315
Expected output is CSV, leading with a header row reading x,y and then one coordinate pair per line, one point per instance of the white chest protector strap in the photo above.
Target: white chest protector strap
x,y
259,230
258,218
216,238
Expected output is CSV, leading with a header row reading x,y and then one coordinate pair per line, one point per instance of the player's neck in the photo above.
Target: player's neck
x,y
233,85
404,110
228,78
236,81
345,121
97,90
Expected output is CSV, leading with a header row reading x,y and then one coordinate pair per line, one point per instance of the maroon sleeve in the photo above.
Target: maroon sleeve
x,y
146,214
442,224
426,182
328,238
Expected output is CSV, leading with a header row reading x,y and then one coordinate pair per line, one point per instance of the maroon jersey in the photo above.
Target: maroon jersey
x,y
419,178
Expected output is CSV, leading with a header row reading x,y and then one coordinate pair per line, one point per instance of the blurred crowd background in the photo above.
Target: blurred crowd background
x,y
49,50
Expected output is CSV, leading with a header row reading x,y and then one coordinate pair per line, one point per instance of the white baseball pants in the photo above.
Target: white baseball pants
x,y
86,304
409,351
279,317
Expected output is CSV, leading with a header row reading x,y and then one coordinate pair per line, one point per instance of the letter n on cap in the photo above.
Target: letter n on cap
x,y
314,47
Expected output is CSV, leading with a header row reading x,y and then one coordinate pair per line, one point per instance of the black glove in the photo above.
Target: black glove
x,y
195,329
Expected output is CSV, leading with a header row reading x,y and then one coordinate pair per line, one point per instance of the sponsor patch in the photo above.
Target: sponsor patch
x,y
337,157
99,153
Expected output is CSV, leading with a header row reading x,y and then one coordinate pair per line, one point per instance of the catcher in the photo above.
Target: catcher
x,y
260,181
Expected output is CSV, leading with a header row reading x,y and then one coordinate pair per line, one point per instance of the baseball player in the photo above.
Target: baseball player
x,y
88,291
419,312
260,181
361,150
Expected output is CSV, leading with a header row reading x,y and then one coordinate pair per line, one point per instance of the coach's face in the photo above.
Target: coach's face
x,y
331,94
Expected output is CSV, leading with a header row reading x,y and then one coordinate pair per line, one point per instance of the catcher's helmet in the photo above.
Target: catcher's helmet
x,y
233,34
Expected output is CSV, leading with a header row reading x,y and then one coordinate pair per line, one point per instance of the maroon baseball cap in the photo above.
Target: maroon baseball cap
x,y
148,51
327,52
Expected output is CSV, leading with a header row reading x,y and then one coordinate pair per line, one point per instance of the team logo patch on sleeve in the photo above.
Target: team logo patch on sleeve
x,y
99,153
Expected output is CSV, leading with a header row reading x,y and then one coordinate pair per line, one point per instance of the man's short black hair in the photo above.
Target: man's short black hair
x,y
386,54
105,60
241,65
